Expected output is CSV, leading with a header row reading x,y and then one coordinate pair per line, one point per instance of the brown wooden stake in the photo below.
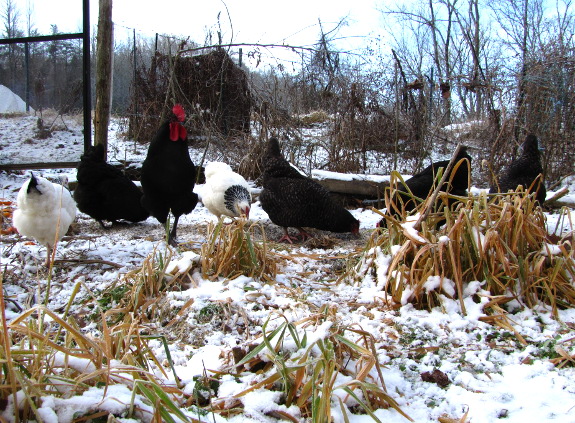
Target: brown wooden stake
x,y
103,73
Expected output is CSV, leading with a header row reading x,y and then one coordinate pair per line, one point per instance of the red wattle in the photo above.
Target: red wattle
x,y
183,132
174,131
177,131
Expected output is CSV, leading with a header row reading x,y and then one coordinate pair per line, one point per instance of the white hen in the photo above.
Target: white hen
x,y
225,192
45,212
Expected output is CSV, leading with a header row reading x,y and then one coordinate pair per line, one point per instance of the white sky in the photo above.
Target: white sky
x,y
254,21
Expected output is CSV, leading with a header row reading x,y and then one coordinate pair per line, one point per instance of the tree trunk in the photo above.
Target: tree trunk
x,y
103,74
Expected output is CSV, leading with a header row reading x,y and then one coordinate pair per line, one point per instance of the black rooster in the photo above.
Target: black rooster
x,y
293,200
526,171
423,183
168,174
104,192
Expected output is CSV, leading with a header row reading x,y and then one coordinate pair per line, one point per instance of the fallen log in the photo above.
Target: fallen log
x,y
35,166
372,186
557,199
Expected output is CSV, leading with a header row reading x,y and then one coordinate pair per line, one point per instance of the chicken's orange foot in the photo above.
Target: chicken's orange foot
x,y
287,237
304,235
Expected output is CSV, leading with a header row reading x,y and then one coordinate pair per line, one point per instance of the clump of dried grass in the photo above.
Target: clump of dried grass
x,y
46,354
501,242
314,118
231,252
340,367
141,293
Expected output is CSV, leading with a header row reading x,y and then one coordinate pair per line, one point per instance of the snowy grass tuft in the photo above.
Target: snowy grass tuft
x,y
499,240
45,354
337,363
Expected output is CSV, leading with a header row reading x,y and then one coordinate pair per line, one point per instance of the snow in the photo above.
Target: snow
x,y
492,376
409,227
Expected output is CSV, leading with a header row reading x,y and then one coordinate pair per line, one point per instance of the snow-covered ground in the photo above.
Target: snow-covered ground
x,y
492,376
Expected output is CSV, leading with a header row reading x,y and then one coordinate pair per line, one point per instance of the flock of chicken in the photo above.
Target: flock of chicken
x,y
291,199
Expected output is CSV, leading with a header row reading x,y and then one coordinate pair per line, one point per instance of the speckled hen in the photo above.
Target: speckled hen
x,y
293,200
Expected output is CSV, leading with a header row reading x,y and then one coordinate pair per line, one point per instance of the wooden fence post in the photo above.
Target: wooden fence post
x,y
103,73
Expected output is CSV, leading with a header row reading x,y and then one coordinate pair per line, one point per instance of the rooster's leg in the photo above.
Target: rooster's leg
x,y
287,237
172,237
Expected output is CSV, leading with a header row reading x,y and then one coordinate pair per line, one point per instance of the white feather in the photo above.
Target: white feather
x,y
45,213
220,177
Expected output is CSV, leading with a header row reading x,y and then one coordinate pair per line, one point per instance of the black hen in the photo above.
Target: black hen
x,y
526,171
168,174
104,192
292,200
423,183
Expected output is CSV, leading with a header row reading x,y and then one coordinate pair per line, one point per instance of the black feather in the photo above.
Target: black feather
x,y
168,178
275,165
104,192
524,171
456,183
423,183
33,184
292,200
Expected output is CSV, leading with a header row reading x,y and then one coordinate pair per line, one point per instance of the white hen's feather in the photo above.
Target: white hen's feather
x,y
225,192
45,211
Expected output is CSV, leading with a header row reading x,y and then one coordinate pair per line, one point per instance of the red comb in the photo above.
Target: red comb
x,y
178,110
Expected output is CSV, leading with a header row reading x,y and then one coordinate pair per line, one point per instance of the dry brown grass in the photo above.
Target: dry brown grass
x,y
314,118
311,376
44,354
230,252
140,294
502,241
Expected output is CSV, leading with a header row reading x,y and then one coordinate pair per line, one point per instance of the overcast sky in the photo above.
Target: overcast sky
x,y
253,21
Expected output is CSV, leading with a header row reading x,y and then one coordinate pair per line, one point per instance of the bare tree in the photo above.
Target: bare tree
x,y
428,47
30,29
480,66
11,18
522,22
321,69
